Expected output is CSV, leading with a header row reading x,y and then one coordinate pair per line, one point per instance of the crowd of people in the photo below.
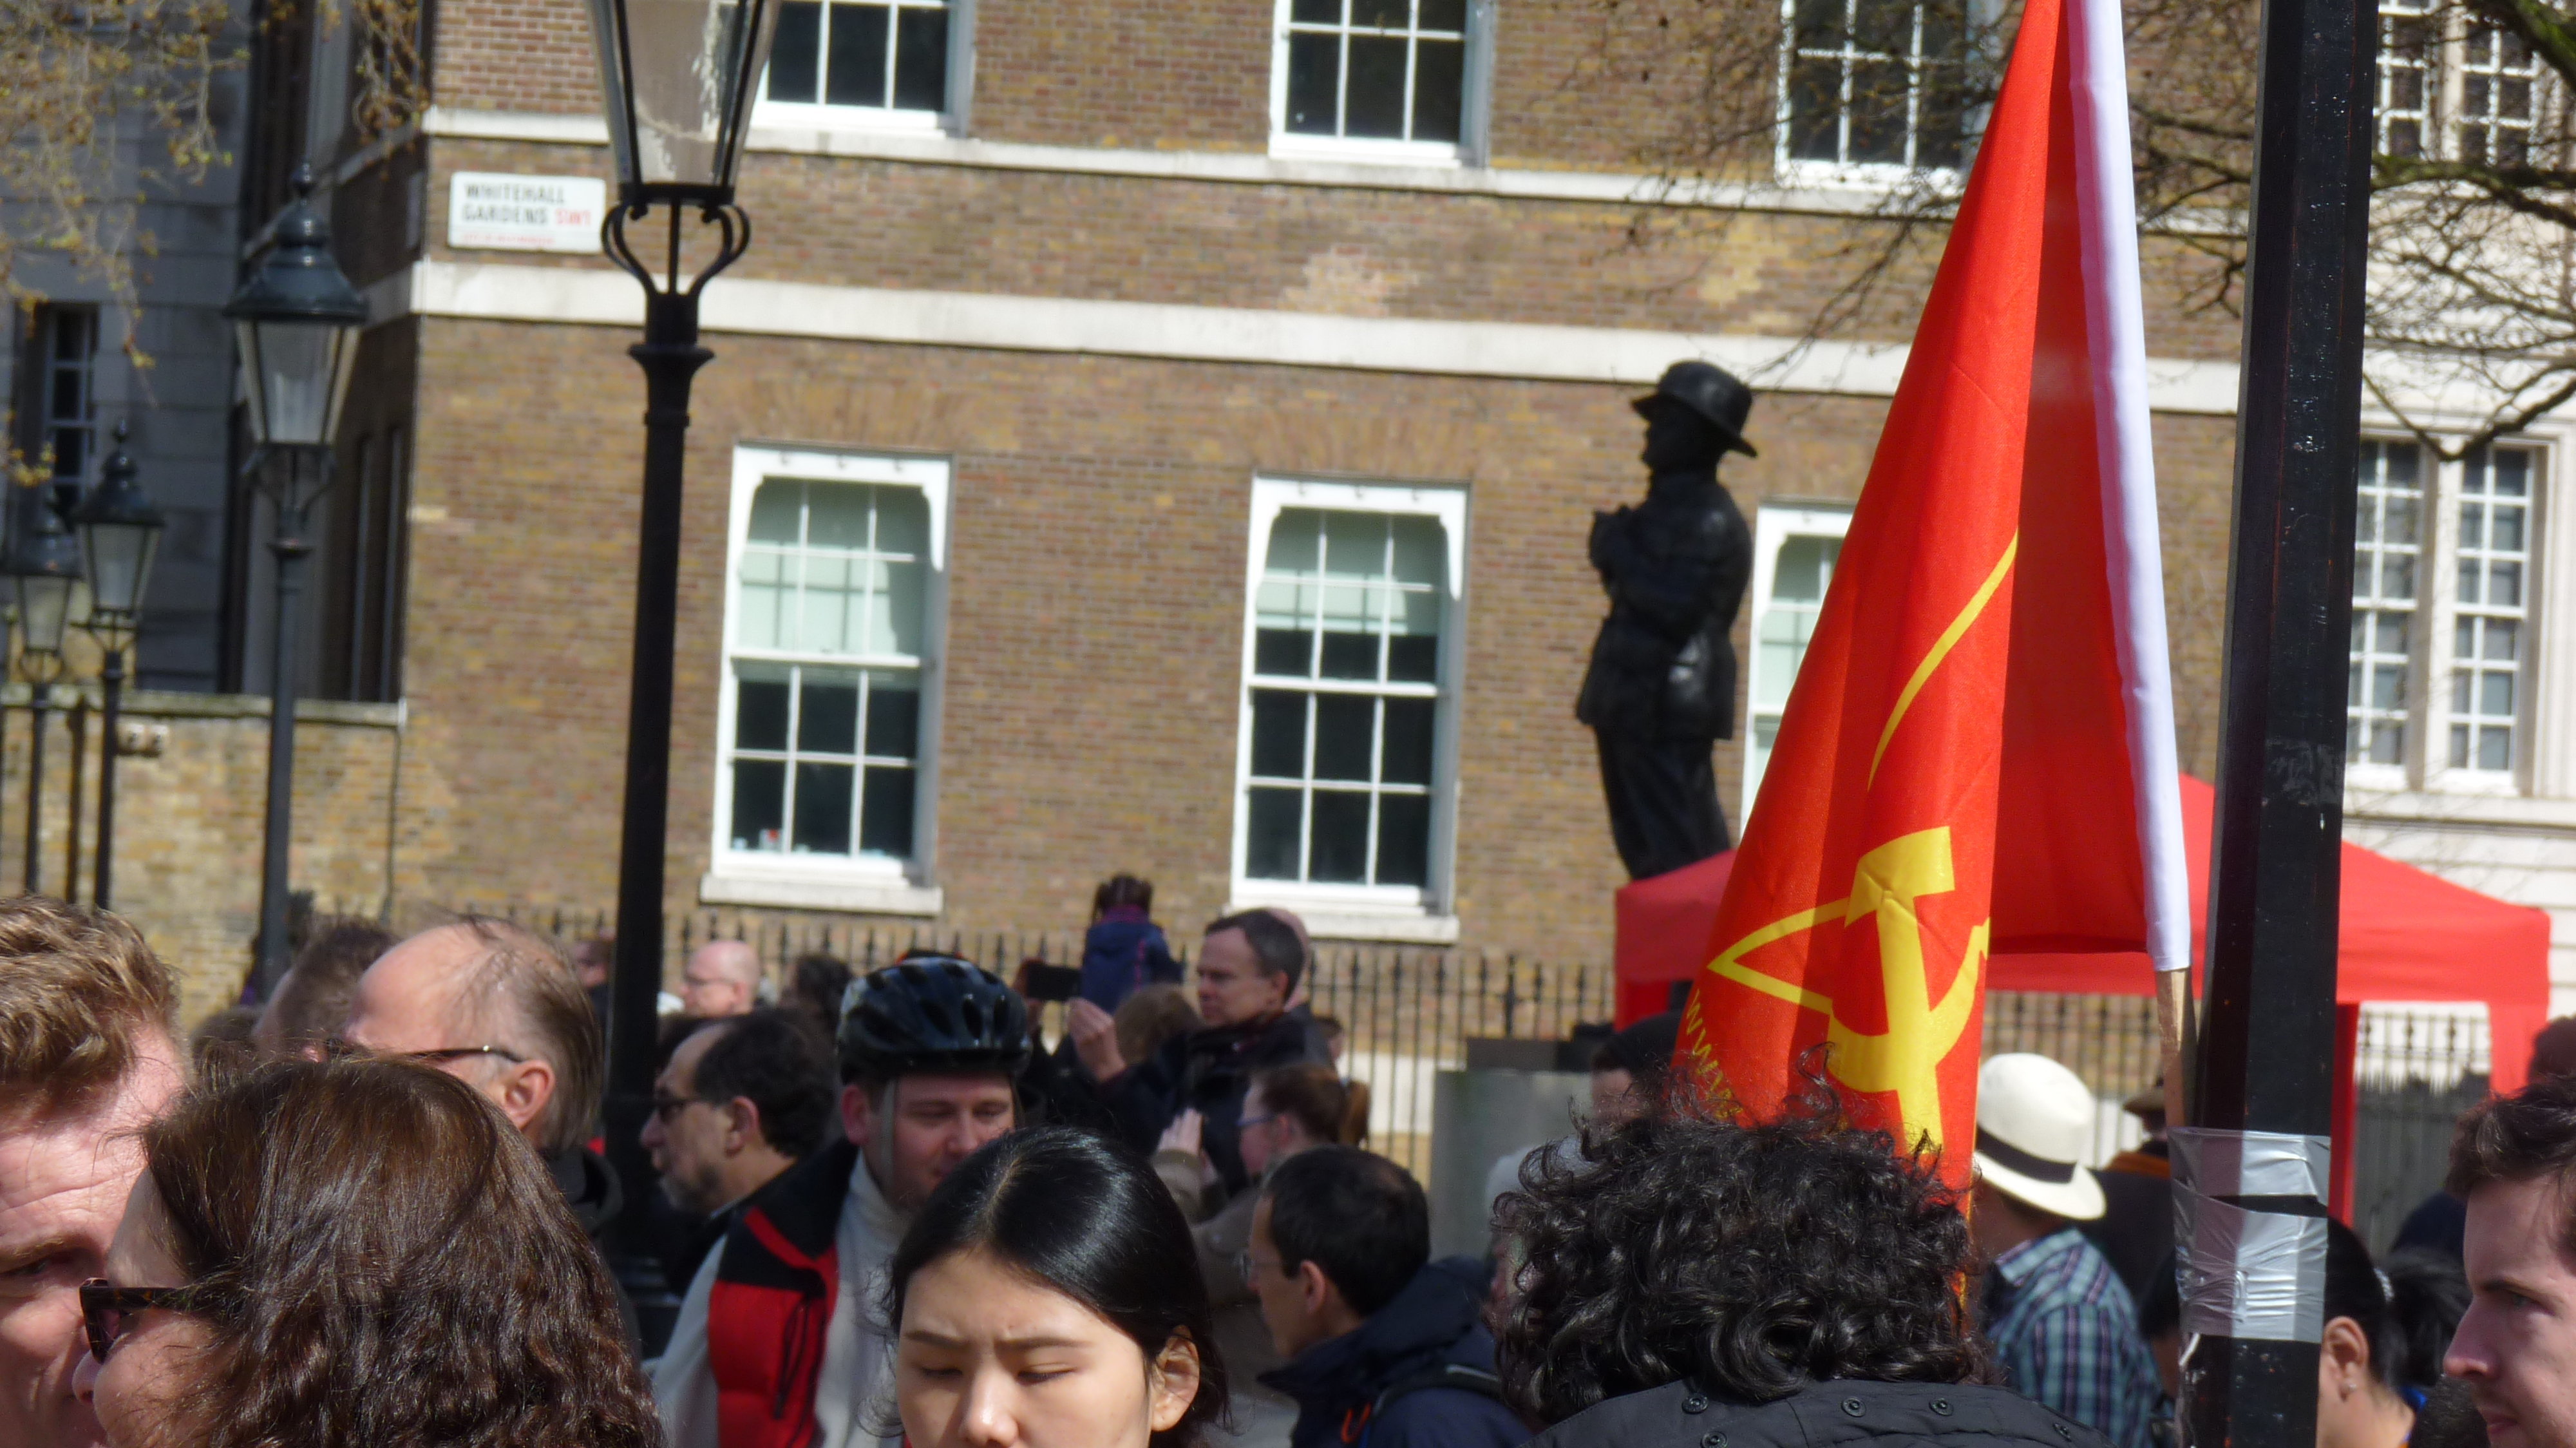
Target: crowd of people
x,y
376,1215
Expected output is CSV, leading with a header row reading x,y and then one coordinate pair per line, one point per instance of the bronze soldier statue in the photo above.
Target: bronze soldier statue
x,y
1661,688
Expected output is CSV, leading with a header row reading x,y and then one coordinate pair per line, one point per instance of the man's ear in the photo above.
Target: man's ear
x,y
858,1114
742,1125
523,1091
1312,1285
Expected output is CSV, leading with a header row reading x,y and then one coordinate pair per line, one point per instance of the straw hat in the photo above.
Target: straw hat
x,y
2034,1120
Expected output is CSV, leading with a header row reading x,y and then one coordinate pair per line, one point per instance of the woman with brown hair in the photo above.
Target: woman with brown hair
x,y
353,1253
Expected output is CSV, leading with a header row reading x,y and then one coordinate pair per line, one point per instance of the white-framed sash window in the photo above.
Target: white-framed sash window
x,y
826,732
1384,80
2441,691
1872,91
887,64
1346,760
1795,546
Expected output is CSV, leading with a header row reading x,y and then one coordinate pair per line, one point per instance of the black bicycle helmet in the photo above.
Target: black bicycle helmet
x,y
931,1013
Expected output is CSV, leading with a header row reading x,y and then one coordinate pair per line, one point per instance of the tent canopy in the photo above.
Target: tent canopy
x,y
2404,935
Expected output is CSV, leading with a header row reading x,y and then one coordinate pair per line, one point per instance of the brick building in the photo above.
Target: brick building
x,y
1162,439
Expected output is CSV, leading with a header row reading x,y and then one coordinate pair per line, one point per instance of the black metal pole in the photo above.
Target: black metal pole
x,y
111,680
670,356
291,551
36,699
2251,1170
77,721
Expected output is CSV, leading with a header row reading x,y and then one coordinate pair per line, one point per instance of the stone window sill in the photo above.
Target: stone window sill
x,y
851,896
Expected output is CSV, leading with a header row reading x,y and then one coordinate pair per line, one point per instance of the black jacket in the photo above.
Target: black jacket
x,y
1418,1374
1835,1414
590,1188
1675,568
1208,1071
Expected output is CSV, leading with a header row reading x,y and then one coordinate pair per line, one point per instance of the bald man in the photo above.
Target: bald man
x,y
500,1009
722,979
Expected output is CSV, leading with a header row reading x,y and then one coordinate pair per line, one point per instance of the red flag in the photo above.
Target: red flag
x,y
1978,756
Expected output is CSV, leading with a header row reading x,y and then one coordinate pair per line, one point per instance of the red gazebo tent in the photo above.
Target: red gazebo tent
x,y
2405,936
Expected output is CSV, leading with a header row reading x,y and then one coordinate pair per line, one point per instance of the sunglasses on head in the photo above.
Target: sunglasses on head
x,y
108,1311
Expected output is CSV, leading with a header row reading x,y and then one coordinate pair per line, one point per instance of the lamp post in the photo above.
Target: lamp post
x,y
43,567
298,321
120,535
677,79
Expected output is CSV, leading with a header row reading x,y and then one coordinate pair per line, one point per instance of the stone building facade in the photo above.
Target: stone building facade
x,y
1168,447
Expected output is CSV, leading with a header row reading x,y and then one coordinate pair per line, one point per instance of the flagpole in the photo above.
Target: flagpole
x,y
2251,1171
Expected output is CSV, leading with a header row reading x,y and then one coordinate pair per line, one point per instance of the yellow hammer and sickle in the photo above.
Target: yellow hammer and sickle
x,y
1905,1058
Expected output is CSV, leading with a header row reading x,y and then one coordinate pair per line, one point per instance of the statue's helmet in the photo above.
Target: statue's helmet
x,y
1712,393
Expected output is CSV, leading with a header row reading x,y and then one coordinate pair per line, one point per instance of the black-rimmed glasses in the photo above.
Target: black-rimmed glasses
x,y
108,1311
445,1054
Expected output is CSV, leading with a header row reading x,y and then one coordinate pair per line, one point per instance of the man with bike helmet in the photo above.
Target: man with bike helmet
x,y
776,1345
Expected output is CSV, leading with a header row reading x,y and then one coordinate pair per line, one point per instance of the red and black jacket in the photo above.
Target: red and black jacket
x,y
772,1305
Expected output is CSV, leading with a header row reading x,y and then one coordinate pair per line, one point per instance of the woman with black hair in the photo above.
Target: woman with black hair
x,y
1688,1279
2386,1330
1047,1295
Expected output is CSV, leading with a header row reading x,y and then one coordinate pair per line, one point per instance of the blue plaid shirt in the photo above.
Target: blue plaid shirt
x,y
2065,1333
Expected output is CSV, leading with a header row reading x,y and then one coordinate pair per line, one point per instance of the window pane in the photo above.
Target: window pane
x,y
1805,565
903,521
1442,15
1421,551
2504,585
759,804
1439,95
894,716
1270,834
793,56
825,623
1373,104
1413,658
921,60
1381,14
1314,79
2508,530
1294,539
2473,529
760,714
828,721
1404,839
1282,651
823,809
1316,12
2502,637
1345,733
856,73
2495,749
1877,112
1350,656
1815,100
780,501
885,822
1340,851
1278,734
1407,756
836,514
763,600
894,627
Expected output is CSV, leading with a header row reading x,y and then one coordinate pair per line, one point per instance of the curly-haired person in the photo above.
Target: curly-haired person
x,y
1692,1280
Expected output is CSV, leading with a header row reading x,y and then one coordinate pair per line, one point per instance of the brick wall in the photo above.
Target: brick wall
x,y
191,821
1095,609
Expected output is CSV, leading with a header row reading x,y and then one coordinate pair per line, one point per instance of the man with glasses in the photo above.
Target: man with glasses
x,y
86,1061
741,1101
498,1007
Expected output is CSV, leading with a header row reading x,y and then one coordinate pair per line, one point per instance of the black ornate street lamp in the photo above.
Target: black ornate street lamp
x,y
120,535
677,78
298,320
44,566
